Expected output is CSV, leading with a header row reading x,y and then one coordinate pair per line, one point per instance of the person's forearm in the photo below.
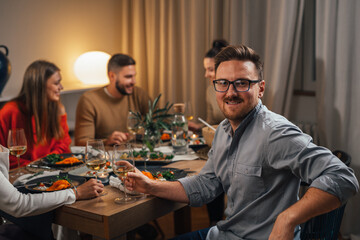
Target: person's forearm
x,y
315,202
169,190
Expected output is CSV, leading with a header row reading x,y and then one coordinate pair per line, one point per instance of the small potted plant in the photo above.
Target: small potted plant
x,y
154,122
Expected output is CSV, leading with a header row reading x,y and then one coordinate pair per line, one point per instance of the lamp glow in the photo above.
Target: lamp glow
x,y
90,67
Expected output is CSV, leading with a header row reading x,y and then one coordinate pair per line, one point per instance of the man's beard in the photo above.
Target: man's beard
x,y
234,115
121,89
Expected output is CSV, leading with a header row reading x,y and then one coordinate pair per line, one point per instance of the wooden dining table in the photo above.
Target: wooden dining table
x,y
102,217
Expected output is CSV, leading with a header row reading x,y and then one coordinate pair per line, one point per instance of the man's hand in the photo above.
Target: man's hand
x,y
313,203
283,229
117,137
171,190
138,182
89,189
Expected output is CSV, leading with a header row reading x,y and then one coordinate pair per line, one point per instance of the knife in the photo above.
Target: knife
x,y
38,166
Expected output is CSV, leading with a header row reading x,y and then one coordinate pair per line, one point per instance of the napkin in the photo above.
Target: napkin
x,y
184,157
178,157
77,149
117,183
27,177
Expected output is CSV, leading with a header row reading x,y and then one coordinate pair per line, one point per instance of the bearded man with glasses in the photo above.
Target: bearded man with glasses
x,y
258,158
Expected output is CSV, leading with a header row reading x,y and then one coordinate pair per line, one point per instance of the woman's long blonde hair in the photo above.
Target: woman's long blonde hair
x,y
34,97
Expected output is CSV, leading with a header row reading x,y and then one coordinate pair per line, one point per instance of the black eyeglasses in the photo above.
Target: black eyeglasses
x,y
240,85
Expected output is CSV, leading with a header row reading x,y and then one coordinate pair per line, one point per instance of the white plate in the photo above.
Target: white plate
x,y
85,172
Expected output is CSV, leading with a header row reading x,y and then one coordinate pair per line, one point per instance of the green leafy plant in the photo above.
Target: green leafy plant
x,y
155,120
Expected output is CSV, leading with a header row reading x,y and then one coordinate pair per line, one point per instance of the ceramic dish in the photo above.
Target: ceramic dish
x,y
178,173
86,172
79,156
32,185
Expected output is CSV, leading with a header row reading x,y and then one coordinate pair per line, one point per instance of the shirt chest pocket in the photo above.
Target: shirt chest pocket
x,y
248,180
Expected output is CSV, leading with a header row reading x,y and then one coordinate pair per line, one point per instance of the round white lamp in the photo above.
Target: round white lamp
x,y
91,67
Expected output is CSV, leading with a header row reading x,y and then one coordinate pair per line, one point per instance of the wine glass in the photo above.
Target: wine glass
x,y
133,125
95,157
17,145
189,114
122,163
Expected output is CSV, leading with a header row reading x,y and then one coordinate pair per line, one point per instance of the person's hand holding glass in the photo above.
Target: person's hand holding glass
x,y
95,157
122,163
17,145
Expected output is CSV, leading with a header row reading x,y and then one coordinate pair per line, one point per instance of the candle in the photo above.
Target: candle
x,y
194,136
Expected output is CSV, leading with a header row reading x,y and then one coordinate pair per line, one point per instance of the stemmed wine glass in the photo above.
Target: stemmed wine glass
x,y
189,114
134,127
122,163
17,145
95,157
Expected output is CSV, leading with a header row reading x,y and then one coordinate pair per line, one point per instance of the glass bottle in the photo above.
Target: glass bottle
x,y
179,130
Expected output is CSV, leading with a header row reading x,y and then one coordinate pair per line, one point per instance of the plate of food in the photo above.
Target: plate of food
x,y
53,183
86,172
151,158
64,159
163,173
197,144
166,136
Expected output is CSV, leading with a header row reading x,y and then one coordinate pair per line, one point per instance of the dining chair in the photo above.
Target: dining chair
x,y
343,156
324,227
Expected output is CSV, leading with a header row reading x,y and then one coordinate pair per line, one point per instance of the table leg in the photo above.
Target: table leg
x,y
182,220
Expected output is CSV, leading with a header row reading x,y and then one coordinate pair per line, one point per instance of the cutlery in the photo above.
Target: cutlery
x,y
36,174
38,166
203,121
32,184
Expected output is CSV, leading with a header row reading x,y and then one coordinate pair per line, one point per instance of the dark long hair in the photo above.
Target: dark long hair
x,y
33,96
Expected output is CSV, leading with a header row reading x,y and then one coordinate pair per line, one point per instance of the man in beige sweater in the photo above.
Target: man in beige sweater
x,y
102,113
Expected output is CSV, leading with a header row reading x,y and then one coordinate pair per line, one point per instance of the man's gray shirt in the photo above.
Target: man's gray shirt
x,y
259,167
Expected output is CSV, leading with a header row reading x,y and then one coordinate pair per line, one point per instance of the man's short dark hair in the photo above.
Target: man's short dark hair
x,y
119,60
241,53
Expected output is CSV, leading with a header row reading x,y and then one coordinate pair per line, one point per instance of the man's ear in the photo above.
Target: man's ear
x,y
261,88
111,75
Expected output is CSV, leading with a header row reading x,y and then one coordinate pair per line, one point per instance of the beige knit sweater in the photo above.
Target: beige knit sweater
x,y
98,114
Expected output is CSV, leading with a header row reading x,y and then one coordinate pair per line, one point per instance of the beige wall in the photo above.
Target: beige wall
x,y
58,31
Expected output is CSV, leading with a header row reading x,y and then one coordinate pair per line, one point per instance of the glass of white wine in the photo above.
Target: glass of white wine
x,y
122,163
133,125
95,157
17,145
189,114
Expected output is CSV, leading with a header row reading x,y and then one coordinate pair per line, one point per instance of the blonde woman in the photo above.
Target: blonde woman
x,y
38,110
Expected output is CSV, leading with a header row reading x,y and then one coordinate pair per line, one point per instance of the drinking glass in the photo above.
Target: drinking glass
x,y
95,157
189,114
122,163
133,125
17,145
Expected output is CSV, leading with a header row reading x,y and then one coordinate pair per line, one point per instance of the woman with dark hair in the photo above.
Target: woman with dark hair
x,y
213,113
38,110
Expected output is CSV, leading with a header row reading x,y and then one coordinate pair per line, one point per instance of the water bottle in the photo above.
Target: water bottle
x,y
179,131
